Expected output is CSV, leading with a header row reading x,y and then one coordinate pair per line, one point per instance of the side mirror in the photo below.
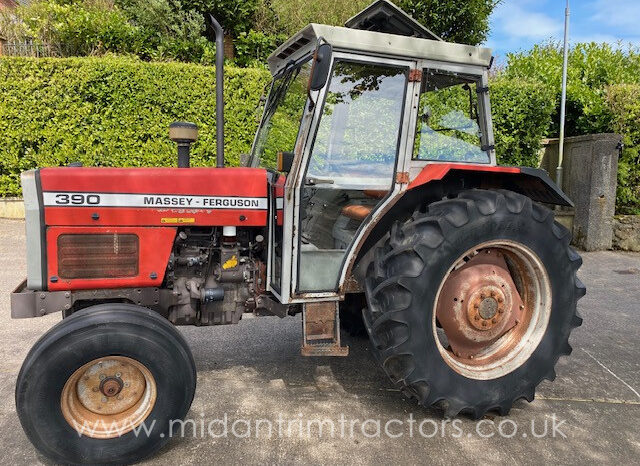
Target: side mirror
x,y
321,67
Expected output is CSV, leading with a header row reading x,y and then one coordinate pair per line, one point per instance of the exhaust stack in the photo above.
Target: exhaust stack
x,y
219,91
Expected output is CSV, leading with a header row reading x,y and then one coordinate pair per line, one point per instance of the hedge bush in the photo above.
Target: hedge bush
x,y
592,67
602,97
522,112
624,102
115,111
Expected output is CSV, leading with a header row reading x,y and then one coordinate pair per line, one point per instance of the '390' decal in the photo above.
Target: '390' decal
x,y
76,199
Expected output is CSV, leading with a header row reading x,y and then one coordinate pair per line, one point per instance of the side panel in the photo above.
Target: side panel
x,y
154,196
154,249
34,222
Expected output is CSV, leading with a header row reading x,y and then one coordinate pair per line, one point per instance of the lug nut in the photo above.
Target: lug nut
x,y
95,389
493,321
118,374
104,399
522,307
484,323
102,376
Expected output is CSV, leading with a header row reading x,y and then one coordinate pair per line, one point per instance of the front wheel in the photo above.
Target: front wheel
x,y
472,300
105,385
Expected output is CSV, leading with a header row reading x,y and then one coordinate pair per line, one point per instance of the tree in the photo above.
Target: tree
x,y
465,22
235,16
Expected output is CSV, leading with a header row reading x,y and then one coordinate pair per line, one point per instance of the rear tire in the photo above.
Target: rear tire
x,y
127,349
404,284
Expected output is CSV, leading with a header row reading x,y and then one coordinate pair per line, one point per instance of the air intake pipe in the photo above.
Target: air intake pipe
x,y
184,134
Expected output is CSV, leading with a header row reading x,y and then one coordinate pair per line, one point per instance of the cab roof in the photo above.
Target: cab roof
x,y
382,29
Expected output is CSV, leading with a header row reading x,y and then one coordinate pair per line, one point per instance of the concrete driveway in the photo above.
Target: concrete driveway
x,y
253,371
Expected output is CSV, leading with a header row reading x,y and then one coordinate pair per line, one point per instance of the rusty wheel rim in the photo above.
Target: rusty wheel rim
x,y
493,307
108,397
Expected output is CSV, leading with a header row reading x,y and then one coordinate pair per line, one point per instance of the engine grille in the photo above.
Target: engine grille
x,y
98,255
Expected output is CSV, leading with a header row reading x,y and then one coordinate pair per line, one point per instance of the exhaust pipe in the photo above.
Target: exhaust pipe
x,y
219,91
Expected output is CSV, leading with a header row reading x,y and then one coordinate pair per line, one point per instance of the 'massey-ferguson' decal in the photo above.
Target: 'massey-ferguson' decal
x,y
77,199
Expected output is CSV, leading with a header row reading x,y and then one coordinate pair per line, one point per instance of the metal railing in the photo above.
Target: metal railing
x,y
28,49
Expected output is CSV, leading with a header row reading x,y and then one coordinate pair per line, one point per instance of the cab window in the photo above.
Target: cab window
x,y
448,127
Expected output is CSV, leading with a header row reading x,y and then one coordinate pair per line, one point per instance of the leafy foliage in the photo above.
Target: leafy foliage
x,y
151,29
601,98
253,48
115,112
235,16
463,22
522,112
592,67
624,102
164,30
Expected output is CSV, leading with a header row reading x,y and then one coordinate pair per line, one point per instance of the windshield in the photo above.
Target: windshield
x,y
282,114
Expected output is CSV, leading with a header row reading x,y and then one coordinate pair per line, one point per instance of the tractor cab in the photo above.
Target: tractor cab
x,y
354,115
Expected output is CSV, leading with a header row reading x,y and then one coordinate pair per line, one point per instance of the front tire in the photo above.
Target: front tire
x,y
472,300
102,386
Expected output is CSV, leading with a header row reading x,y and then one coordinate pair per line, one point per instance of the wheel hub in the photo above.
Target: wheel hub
x,y
478,304
486,307
109,396
111,386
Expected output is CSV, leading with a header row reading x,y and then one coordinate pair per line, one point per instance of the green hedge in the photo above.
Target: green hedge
x,y
624,102
115,111
602,97
522,112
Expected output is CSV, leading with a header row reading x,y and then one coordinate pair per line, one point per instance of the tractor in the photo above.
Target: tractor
x,y
371,194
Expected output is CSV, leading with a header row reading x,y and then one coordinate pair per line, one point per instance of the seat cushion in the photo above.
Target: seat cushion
x,y
356,211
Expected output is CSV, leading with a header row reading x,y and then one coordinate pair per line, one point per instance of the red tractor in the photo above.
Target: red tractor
x,y
371,190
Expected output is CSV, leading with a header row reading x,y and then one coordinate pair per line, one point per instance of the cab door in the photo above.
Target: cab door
x,y
349,167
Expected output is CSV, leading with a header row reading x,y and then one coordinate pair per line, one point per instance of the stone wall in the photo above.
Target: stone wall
x,y
626,232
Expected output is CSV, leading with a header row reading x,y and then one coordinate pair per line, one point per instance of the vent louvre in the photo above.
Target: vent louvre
x,y
98,255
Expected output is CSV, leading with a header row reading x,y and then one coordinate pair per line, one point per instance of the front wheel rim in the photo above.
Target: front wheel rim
x,y
108,397
493,307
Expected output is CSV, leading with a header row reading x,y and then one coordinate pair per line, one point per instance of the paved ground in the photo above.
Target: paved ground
x,y
254,371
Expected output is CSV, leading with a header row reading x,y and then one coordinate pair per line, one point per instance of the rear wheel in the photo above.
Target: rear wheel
x,y
471,301
103,386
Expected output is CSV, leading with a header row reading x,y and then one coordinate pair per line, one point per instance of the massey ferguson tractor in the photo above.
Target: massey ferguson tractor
x,y
371,190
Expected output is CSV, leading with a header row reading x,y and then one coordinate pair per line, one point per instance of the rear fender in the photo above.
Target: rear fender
x,y
437,181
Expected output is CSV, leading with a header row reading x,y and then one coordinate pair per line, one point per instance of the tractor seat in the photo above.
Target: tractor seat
x,y
356,211
359,212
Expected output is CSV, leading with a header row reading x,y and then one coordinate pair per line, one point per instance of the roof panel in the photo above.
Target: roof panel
x,y
345,39
384,16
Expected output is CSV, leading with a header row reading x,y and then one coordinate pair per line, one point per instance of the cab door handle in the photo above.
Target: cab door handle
x,y
312,181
